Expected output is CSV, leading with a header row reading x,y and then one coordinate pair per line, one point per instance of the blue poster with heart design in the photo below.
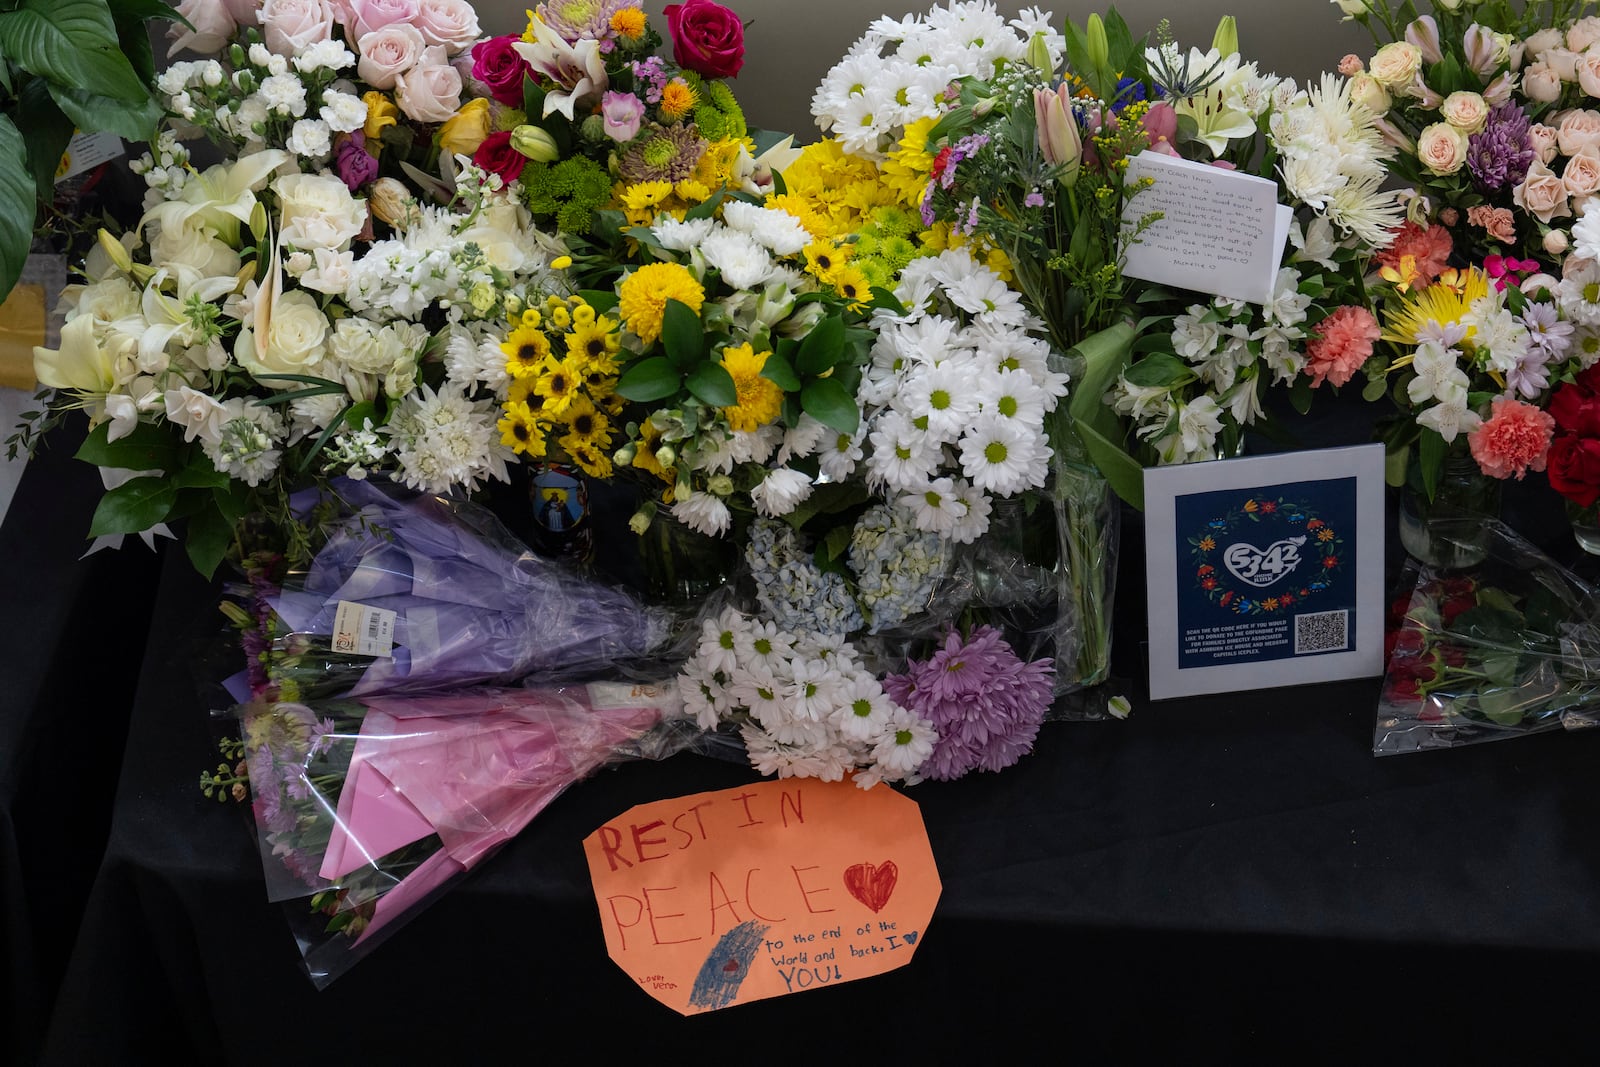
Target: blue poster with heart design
x,y
1265,571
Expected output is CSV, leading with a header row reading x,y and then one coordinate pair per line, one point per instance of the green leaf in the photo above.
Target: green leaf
x,y
831,404
200,475
356,415
232,501
1160,369
821,348
47,132
836,542
1300,394
16,205
1431,449
1104,354
707,208
308,379
71,43
829,498
778,371
132,121
650,379
133,507
146,448
1502,707
712,383
1373,391
299,394
602,300
682,335
1121,471
207,540
1501,669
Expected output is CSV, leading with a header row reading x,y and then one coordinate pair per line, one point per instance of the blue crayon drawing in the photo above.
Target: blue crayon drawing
x,y
724,971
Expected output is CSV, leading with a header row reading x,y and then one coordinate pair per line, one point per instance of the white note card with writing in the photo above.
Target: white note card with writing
x,y
1221,232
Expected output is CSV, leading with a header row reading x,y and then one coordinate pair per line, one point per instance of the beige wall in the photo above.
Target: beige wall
x,y
790,44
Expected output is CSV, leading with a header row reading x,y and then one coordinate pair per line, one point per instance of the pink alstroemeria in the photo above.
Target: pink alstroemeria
x,y
1507,270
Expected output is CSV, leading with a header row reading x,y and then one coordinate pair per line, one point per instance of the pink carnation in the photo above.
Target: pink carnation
x,y
1343,342
1513,440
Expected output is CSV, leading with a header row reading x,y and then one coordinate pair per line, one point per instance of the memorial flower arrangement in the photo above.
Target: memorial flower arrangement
x,y
314,304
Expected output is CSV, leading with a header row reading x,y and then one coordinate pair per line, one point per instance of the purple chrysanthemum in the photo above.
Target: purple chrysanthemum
x,y
983,700
1499,154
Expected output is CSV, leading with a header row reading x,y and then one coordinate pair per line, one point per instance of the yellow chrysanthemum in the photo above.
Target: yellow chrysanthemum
x,y
643,196
816,223
645,448
520,431
1444,302
629,23
719,163
381,112
560,317
643,295
691,191
678,98
526,350
760,400
558,384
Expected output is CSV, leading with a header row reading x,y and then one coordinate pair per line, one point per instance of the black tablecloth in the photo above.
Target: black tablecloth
x,y
73,634
1215,879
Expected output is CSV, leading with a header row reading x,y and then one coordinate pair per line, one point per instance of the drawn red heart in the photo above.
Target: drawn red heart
x,y
731,967
871,884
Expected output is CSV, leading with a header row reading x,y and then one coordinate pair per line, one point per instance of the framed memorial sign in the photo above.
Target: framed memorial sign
x,y
1265,571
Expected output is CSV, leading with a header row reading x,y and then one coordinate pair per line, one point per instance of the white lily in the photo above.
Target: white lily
x,y
579,69
167,318
81,365
222,197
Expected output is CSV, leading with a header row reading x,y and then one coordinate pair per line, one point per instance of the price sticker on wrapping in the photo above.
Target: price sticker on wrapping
x,y
363,630
769,889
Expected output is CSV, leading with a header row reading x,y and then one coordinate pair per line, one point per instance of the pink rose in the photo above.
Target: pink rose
x,y
496,64
1581,175
388,53
451,23
1579,129
1589,73
707,38
213,24
1540,83
1563,62
373,15
1442,148
291,26
1538,43
1546,141
431,90
1541,194
1496,221
1583,33
244,12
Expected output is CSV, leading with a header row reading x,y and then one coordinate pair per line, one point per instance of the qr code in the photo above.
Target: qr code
x,y
1326,631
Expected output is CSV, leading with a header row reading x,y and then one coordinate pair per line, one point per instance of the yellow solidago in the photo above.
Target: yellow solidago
x,y
760,400
643,295
1444,302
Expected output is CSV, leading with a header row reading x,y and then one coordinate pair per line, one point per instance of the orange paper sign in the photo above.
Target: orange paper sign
x,y
727,897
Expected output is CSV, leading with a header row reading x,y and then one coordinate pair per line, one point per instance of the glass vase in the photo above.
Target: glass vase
x,y
681,565
1447,531
1585,526
1088,525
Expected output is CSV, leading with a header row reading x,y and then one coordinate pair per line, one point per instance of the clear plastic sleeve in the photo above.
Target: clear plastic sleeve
x,y
460,600
367,809
1498,650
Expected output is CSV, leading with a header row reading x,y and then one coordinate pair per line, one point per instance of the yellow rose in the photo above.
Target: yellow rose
x,y
464,131
381,112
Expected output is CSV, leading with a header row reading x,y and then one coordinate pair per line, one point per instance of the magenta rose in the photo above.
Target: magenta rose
x,y
707,38
496,64
1573,467
496,156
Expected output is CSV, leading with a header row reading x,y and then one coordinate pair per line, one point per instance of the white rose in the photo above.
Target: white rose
x,y
199,414
431,90
294,340
1583,33
451,23
388,53
1467,112
1396,64
317,211
105,301
1365,90
1539,43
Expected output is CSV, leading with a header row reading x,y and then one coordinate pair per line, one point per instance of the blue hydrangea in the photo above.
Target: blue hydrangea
x,y
895,564
795,592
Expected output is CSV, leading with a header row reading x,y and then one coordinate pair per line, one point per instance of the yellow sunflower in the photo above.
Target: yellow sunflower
x,y
558,383
526,350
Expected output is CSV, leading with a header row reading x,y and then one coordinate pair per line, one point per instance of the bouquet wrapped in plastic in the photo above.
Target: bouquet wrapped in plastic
x,y
367,809
455,599
1506,648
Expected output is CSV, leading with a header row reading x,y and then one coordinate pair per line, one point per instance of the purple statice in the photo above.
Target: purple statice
x,y
1499,154
983,700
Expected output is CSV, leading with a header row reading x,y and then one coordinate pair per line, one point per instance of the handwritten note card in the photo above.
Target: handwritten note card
x,y
728,897
1221,232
